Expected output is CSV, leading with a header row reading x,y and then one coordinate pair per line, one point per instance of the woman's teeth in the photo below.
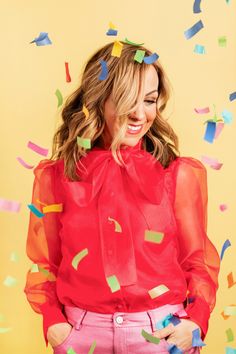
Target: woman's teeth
x,y
134,129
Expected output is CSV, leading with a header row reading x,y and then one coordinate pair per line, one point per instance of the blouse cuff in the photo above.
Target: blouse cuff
x,y
52,314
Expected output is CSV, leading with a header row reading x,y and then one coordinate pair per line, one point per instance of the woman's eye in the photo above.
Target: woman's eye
x,y
150,101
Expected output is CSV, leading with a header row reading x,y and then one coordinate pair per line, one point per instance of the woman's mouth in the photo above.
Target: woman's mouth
x,y
134,129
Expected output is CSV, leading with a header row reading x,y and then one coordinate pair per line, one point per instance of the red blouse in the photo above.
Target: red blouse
x,y
141,224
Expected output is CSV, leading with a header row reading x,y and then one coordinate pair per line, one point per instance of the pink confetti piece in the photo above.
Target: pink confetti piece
x,y
219,128
23,163
202,110
37,148
9,205
68,78
223,207
213,163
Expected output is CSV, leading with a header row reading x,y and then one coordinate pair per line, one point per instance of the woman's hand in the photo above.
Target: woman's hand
x,y
58,332
180,335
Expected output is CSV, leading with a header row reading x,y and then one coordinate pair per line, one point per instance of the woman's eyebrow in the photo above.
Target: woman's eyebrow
x,y
150,92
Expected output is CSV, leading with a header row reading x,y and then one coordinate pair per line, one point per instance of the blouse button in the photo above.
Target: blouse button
x,y
119,319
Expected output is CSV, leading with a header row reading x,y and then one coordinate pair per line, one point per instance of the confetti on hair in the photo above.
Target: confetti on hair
x,y
196,338
222,41
224,247
202,110
199,49
227,116
59,98
117,225
68,78
151,58
232,96
85,111
196,6
149,337
193,30
223,207
113,283
92,348
42,39
153,236
79,257
117,49
230,310
104,71
9,205
38,149
230,335
158,290
83,142
132,43
230,279
53,208
210,132
139,55
10,281
23,163
35,211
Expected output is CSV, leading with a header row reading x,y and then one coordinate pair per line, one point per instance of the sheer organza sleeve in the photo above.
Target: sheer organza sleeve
x,y
198,256
43,249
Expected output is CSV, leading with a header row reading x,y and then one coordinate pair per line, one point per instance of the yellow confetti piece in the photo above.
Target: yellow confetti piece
x,y
230,310
10,281
85,111
117,225
53,208
113,283
153,236
157,291
93,346
149,337
34,268
83,142
117,49
230,335
79,257
111,26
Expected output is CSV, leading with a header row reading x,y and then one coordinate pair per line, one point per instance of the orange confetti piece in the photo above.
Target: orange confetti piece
x,y
230,279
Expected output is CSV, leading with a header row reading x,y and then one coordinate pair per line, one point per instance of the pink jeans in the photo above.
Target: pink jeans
x,y
118,333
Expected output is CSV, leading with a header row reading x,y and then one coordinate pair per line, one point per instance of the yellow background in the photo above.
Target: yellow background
x,y
29,78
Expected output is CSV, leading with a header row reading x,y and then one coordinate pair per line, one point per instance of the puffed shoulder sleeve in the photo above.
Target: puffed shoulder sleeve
x,y
198,256
43,248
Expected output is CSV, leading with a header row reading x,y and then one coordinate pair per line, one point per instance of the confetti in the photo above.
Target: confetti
x,y
196,6
42,39
139,55
196,338
35,211
230,279
210,132
93,346
213,163
132,43
222,41
113,283
224,316
232,96
149,337
225,246
158,290
34,268
151,58
111,32
228,116
79,257
230,350
53,208
230,335
173,349
117,49
85,111
104,71
219,129
83,142
193,30
5,330
23,163
199,49
14,257
117,225
202,110
223,207
10,281
36,148
70,351
59,98
9,205
68,78
230,310
153,236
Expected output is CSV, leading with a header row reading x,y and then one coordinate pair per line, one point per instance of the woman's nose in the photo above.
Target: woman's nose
x,y
139,112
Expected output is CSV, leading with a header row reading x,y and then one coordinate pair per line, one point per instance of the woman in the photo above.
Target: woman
x,y
121,250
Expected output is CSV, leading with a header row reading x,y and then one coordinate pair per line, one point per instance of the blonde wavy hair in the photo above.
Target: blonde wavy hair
x,y
124,80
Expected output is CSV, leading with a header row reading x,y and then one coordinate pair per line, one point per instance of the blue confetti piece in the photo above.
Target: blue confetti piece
x,y
196,339
199,49
210,132
111,32
175,320
42,39
228,116
196,6
232,96
229,350
164,322
104,72
193,30
173,349
35,211
225,246
151,58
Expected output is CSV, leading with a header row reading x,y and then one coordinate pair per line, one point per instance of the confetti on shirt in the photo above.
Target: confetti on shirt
x,y
149,337
230,335
117,49
196,338
223,207
196,6
59,98
210,132
139,55
35,211
232,96
117,225
225,246
42,39
230,279
113,283
38,149
222,41
92,348
23,163
34,268
9,205
132,43
199,49
151,58
104,72
68,78
79,257
193,30
202,110
153,236
158,290
57,208
230,310
83,142
10,281
85,111
228,116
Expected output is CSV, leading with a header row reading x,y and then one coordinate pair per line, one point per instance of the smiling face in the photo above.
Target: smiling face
x,y
139,120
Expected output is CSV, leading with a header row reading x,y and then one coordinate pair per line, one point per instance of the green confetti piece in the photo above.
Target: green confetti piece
x,y
44,271
70,351
132,43
158,290
154,236
113,283
149,337
5,329
14,257
34,268
10,281
79,257
117,225
230,335
59,98
91,350
230,311
139,55
85,143
222,41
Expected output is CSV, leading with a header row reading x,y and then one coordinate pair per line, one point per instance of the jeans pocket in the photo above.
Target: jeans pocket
x,y
66,340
